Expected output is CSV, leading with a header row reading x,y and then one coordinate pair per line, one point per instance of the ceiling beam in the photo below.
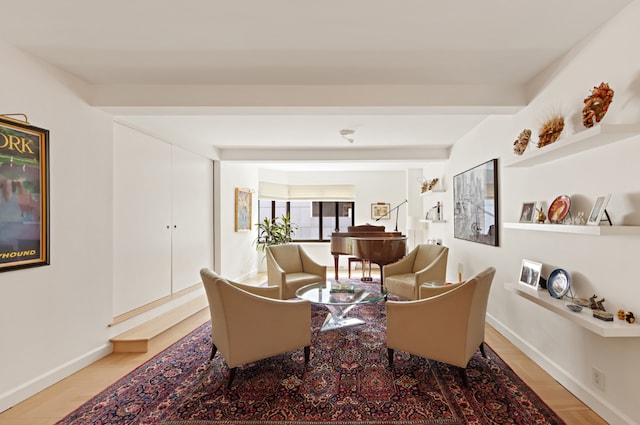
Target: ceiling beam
x,y
184,99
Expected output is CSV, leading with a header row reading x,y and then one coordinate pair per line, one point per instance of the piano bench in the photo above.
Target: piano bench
x,y
353,260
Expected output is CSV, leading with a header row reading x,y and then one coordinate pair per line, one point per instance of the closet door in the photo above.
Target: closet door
x,y
142,219
192,217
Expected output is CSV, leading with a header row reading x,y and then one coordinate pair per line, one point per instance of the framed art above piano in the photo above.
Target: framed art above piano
x,y
380,211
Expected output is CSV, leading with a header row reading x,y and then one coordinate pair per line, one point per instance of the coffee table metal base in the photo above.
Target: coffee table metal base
x,y
336,318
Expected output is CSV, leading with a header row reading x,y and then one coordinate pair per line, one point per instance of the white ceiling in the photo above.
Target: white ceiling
x,y
278,80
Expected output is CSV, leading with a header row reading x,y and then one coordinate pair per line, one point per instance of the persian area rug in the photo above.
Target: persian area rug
x,y
347,381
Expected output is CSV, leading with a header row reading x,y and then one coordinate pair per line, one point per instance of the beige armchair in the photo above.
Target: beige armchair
x,y
424,263
247,327
431,291
289,267
448,327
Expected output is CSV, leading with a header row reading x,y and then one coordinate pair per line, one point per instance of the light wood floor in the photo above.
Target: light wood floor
x,y
55,402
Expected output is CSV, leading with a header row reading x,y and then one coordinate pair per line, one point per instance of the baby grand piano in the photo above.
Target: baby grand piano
x,y
370,243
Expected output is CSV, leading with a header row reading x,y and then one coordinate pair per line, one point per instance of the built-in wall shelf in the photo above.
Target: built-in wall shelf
x,y
603,230
432,191
433,221
600,135
617,328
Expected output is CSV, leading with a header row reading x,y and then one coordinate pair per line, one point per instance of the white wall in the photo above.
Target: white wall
x,y
598,265
237,254
370,187
239,258
44,310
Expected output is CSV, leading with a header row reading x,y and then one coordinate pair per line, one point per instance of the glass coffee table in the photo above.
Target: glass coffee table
x,y
339,298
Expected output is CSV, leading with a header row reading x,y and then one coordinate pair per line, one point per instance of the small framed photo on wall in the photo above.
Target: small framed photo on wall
x,y
530,274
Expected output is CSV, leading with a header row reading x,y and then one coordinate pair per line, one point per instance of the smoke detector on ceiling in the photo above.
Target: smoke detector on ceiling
x,y
346,135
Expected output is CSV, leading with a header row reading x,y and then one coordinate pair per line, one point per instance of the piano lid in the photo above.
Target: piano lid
x,y
365,228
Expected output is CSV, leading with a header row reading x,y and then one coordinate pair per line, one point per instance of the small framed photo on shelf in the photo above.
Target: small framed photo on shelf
x,y
380,211
530,274
598,210
527,213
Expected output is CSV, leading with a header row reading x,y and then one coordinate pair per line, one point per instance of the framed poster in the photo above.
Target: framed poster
x,y
475,197
243,210
380,211
24,195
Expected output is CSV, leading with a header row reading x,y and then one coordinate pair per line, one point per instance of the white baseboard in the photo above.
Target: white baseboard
x,y
16,395
595,401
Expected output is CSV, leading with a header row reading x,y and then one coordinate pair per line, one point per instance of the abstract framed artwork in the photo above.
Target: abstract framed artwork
x,y
24,195
243,210
475,196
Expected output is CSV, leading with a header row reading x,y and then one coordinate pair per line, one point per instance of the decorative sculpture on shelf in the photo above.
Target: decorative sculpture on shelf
x,y
427,184
550,131
541,217
626,315
522,142
598,309
596,105
596,305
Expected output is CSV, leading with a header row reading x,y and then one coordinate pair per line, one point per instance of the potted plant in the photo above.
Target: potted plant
x,y
275,232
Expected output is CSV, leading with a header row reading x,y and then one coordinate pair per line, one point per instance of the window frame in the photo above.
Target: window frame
x,y
320,216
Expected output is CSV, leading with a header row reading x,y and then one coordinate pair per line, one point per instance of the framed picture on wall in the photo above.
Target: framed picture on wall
x,y
380,211
243,210
530,274
475,197
24,195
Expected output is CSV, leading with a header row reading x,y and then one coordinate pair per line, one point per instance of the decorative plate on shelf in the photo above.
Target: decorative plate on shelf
x,y
558,283
574,307
559,208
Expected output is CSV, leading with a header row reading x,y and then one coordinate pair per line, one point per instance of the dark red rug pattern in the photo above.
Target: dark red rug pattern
x,y
347,381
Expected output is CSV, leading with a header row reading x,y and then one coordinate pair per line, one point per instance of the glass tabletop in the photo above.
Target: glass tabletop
x,y
333,292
